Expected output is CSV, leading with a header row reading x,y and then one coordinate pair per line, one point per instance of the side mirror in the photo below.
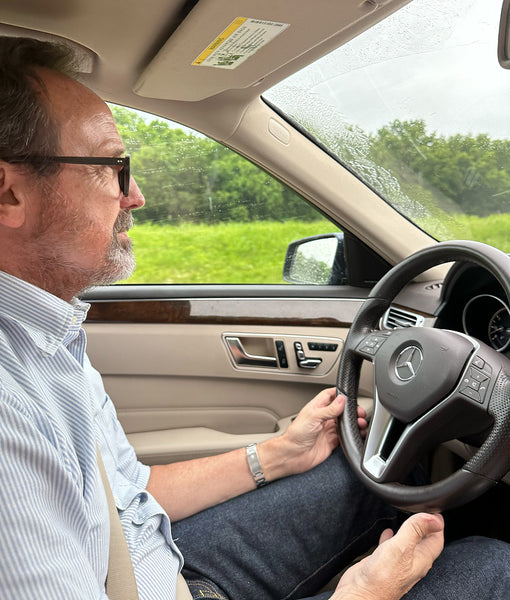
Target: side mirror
x,y
317,260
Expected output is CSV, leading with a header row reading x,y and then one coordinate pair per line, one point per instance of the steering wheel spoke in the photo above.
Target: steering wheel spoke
x,y
393,447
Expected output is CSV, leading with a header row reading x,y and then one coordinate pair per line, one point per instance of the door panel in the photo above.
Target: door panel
x,y
178,389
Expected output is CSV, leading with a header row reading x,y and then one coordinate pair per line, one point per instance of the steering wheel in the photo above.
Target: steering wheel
x,y
431,385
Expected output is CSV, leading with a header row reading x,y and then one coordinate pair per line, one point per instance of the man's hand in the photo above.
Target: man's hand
x,y
310,439
397,564
185,488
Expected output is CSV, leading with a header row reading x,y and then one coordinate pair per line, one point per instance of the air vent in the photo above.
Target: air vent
x,y
395,318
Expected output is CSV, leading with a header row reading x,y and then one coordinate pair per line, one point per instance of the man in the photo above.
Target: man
x,y
64,217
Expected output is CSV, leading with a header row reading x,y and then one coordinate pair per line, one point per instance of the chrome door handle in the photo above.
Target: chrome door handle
x,y
241,357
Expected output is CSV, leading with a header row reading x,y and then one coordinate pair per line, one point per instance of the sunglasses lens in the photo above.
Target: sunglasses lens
x,y
124,177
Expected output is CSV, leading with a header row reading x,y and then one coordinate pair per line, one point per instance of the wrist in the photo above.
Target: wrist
x,y
275,458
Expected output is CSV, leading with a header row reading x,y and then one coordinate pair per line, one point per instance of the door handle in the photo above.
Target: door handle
x,y
241,357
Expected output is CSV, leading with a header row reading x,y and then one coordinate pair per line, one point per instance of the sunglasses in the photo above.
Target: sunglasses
x,y
124,162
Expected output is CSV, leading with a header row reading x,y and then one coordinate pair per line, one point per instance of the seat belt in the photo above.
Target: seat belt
x,y
121,582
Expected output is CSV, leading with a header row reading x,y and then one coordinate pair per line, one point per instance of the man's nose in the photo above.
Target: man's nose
x,y
135,197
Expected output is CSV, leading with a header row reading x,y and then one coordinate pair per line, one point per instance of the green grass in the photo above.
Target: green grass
x,y
223,253
255,252
493,230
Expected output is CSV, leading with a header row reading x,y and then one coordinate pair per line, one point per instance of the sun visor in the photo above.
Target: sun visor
x,y
225,45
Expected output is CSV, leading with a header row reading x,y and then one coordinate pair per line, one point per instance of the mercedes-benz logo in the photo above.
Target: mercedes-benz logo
x,y
408,363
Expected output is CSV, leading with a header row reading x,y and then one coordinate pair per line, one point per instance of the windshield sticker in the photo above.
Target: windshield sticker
x,y
240,40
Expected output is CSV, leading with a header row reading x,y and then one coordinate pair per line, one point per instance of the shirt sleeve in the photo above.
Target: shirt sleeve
x,y
53,536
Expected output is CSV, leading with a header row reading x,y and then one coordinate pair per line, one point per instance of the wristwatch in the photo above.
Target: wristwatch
x,y
254,463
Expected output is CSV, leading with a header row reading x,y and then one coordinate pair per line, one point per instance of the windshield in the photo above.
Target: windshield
x,y
418,108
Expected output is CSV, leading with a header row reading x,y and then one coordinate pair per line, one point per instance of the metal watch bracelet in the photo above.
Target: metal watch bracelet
x,y
255,466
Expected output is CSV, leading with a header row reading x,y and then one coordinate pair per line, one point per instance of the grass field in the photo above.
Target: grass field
x,y
223,253
255,252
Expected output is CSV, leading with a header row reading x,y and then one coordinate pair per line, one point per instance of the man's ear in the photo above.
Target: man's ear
x,y
12,202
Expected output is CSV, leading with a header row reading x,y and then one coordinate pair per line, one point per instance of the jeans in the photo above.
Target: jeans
x,y
285,541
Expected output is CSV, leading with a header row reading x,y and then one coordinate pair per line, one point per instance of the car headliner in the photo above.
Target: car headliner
x,y
141,54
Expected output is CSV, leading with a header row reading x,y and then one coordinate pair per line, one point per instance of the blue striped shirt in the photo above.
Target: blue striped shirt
x,y
54,539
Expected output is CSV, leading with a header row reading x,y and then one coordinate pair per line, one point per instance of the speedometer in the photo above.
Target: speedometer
x,y
487,318
499,329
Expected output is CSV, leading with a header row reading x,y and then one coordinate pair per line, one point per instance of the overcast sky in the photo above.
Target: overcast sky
x,y
436,61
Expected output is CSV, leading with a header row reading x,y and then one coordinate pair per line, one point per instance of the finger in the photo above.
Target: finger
x,y
386,535
324,398
324,406
362,412
422,528
425,524
335,408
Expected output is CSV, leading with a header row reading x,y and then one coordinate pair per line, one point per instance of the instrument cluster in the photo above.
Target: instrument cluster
x,y
487,318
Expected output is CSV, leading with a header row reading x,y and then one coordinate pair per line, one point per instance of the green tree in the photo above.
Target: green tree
x,y
458,173
186,177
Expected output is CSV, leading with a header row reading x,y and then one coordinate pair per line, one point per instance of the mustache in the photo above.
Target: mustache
x,y
123,222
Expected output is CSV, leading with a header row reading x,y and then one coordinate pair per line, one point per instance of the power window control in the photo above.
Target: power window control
x,y
282,355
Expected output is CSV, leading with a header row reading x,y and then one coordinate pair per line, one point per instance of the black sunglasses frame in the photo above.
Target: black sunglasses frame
x,y
124,161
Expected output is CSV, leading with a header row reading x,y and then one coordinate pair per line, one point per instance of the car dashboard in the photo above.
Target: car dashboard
x,y
474,303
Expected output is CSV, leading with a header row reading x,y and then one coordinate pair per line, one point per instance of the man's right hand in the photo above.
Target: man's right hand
x,y
397,564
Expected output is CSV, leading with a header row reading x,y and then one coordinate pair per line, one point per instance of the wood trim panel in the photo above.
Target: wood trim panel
x,y
241,311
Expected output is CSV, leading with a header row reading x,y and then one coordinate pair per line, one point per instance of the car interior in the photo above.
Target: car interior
x,y
201,366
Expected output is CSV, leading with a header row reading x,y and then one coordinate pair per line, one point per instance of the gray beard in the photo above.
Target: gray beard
x,y
120,262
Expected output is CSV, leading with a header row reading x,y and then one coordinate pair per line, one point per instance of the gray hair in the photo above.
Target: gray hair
x,y
27,129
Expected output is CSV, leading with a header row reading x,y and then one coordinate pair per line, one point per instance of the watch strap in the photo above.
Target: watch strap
x,y
254,463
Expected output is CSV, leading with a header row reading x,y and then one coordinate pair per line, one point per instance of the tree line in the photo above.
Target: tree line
x,y
459,173
187,177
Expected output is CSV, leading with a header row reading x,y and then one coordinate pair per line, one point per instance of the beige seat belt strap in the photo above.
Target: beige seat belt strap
x,y
121,583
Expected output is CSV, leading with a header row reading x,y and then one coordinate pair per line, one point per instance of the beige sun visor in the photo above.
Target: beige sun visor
x,y
224,45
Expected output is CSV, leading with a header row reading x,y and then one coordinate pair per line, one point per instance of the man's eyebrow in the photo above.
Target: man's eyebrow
x,y
118,152
110,150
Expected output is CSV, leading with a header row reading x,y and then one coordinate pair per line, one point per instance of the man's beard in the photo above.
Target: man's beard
x,y
119,262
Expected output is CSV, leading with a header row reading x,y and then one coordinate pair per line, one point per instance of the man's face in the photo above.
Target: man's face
x,y
80,227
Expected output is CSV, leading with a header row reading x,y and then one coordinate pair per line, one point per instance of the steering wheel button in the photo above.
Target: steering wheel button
x,y
479,362
473,394
368,350
477,375
473,384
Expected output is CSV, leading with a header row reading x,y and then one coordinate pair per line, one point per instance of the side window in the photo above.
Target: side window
x,y
211,216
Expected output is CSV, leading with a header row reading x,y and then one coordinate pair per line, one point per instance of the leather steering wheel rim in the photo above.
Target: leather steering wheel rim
x,y
492,460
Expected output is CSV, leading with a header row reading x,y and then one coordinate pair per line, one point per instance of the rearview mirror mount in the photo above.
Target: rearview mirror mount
x,y
504,36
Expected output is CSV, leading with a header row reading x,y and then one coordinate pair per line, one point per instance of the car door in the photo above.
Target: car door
x,y
206,348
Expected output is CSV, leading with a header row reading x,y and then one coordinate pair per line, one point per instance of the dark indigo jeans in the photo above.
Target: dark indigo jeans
x,y
285,541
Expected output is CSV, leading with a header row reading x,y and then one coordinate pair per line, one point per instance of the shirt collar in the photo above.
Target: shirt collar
x,y
48,320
